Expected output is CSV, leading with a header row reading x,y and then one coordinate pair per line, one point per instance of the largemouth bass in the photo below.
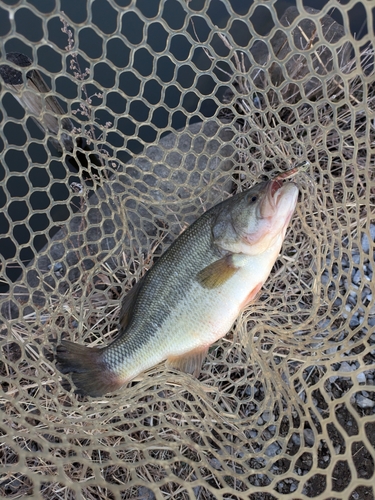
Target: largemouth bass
x,y
193,294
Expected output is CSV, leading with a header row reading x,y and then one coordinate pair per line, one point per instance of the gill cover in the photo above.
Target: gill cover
x,y
252,221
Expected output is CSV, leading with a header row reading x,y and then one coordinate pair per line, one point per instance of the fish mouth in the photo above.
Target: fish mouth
x,y
275,190
273,194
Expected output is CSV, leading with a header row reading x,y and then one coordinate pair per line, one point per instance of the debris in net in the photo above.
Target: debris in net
x,y
76,187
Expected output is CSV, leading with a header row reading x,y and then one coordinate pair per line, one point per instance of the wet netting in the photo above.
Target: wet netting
x,y
122,121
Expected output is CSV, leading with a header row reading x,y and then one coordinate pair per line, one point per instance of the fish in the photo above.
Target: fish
x,y
194,292
34,95
30,92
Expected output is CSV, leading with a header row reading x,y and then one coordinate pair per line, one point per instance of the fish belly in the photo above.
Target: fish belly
x,y
200,318
206,315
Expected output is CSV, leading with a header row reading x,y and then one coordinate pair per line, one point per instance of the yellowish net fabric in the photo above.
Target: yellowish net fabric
x,y
96,183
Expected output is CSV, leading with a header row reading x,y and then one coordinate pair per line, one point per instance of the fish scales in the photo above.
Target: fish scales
x,y
193,293
166,285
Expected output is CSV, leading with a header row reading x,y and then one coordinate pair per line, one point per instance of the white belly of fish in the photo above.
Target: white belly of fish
x,y
202,317
206,315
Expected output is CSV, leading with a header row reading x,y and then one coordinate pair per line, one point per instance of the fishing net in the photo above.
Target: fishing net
x,y
122,121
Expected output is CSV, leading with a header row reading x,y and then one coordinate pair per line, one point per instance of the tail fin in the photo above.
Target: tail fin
x,y
90,373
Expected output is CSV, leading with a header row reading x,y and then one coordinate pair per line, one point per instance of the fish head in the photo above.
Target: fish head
x,y
256,220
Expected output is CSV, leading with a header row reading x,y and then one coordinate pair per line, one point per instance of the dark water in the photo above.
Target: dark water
x,y
50,181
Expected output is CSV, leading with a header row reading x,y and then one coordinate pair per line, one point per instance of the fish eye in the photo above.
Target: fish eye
x,y
253,199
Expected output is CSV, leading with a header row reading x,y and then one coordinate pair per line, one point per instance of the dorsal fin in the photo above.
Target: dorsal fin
x,y
128,304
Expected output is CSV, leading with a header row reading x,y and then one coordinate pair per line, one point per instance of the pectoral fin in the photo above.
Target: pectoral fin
x,y
190,362
217,273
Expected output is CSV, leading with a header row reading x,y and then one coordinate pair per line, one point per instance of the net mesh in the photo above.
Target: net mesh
x,y
122,121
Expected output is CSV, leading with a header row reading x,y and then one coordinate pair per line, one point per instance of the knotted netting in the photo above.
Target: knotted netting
x,y
122,122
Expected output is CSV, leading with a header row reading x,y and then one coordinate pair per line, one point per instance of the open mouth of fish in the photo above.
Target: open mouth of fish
x,y
275,187
278,195
275,192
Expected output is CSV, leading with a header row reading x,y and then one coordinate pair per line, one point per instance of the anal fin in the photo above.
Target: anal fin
x,y
190,362
252,295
